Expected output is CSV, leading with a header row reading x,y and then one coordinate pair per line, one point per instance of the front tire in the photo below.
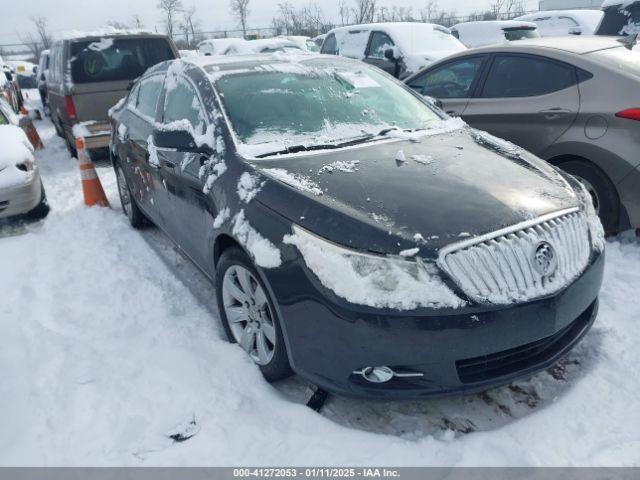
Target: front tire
x,y
602,191
42,209
248,314
128,201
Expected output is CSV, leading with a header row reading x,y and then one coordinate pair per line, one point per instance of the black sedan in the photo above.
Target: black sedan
x,y
356,235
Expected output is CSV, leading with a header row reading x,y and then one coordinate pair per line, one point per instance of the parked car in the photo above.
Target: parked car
x,y
304,43
572,101
21,189
220,46
318,40
397,48
28,82
88,74
268,45
621,17
557,23
479,34
43,73
9,88
355,234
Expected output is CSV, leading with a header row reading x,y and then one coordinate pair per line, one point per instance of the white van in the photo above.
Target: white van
x,y
557,23
398,48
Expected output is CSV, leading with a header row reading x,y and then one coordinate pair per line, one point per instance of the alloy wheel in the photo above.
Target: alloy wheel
x,y
249,314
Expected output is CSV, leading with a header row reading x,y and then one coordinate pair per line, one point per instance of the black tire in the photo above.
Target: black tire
x,y
70,147
601,188
278,368
59,130
41,210
130,207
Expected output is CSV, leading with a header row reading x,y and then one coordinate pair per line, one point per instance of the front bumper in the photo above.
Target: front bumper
x,y
21,199
458,351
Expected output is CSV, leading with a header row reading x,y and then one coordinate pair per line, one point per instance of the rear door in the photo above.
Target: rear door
x,y
149,187
379,42
194,211
452,83
527,99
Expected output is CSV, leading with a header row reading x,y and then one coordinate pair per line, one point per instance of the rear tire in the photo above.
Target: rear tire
x,y
602,190
128,201
266,346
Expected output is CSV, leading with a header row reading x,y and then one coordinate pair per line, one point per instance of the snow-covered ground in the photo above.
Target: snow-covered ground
x,y
111,344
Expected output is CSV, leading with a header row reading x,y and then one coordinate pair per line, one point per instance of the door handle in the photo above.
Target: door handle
x,y
555,113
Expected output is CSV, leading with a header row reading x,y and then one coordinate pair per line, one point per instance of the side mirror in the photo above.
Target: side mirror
x,y
390,54
180,140
436,102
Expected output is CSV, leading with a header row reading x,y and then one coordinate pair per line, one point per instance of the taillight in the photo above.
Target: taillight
x,y
70,107
630,114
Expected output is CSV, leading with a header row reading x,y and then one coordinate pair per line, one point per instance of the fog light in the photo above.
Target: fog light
x,y
383,374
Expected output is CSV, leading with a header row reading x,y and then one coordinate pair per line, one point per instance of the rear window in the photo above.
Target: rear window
x,y
620,21
27,82
115,59
513,34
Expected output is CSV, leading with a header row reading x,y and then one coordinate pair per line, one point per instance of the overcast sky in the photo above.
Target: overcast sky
x,y
212,14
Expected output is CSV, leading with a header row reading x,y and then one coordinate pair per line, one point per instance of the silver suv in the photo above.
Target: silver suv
x,y
573,101
89,74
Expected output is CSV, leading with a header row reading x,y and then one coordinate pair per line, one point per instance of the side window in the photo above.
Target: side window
x,y
453,80
330,45
182,103
380,42
526,76
148,93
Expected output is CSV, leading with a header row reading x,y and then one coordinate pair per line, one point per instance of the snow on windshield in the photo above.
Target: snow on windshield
x,y
274,107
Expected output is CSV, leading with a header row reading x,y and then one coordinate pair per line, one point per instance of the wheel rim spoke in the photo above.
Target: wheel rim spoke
x,y
260,298
248,339
244,279
232,289
269,332
263,350
236,314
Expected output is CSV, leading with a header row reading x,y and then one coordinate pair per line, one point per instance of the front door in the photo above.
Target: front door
x,y
379,43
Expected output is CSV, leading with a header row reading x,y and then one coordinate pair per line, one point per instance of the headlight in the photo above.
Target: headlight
x,y
373,280
596,231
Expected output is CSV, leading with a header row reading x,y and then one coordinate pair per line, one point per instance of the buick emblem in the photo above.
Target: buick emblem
x,y
545,261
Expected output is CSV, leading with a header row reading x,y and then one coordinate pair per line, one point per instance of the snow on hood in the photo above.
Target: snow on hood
x,y
16,150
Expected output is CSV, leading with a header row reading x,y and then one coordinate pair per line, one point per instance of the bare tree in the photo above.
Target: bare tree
x,y
308,20
514,8
41,24
117,24
343,9
496,7
136,21
365,11
189,26
429,12
240,10
170,10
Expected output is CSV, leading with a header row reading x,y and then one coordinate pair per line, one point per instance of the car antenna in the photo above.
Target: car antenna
x,y
630,41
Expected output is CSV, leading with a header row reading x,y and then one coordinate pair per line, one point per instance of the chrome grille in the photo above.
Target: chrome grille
x,y
499,267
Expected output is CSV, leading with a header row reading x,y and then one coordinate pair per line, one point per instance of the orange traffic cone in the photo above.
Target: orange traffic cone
x,y
91,186
23,110
32,134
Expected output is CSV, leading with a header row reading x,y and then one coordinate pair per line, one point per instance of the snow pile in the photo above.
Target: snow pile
x,y
596,230
503,146
16,151
482,33
248,186
422,159
295,180
264,253
375,281
222,217
340,166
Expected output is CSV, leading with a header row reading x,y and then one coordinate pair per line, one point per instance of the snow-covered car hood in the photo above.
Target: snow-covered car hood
x,y
15,150
441,189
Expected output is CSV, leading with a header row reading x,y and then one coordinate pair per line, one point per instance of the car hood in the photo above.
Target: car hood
x,y
442,188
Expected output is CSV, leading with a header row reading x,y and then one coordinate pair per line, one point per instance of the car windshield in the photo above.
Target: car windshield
x,y
513,34
114,59
26,82
621,21
298,104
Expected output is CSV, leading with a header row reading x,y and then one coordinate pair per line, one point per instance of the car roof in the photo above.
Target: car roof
x,y
497,23
77,36
577,45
